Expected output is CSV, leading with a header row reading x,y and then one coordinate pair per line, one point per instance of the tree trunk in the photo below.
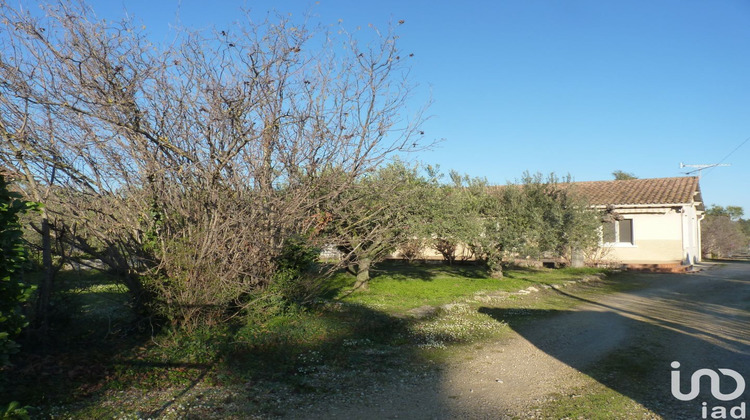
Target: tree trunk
x,y
139,296
495,266
363,275
577,258
45,286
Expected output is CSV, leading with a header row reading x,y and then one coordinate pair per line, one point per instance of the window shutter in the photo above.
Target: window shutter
x,y
626,230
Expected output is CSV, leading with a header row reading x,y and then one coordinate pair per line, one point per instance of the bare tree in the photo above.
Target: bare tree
x,y
721,236
184,167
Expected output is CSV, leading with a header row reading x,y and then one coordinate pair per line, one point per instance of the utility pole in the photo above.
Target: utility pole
x,y
699,168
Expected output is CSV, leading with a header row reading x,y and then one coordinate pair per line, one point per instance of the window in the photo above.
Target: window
x,y
625,230
609,232
620,231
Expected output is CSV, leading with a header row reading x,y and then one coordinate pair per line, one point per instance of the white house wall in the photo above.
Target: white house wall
x,y
691,235
657,237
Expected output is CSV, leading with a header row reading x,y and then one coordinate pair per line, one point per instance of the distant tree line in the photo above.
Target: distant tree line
x,y
724,233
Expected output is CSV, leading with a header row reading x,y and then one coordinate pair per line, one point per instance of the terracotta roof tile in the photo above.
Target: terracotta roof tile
x,y
680,190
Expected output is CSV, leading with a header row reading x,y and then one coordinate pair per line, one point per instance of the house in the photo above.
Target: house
x,y
648,222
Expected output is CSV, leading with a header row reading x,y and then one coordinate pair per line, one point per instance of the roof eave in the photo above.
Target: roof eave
x,y
650,205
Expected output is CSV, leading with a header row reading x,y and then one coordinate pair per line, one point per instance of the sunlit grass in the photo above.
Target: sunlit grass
x,y
325,348
594,401
399,287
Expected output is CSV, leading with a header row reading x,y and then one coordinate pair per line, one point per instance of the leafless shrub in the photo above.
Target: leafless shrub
x,y
722,237
413,249
189,164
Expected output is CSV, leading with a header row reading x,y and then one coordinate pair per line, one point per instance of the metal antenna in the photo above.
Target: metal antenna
x,y
700,168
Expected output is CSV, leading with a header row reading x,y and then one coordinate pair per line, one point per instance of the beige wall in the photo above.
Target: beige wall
x,y
648,251
657,236
660,235
429,253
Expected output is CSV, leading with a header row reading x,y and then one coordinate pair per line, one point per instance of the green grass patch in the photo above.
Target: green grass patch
x,y
336,335
625,370
325,349
594,401
90,325
398,287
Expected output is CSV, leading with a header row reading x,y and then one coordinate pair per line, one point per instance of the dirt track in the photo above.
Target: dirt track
x,y
701,320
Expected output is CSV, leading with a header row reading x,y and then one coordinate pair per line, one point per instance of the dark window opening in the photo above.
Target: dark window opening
x,y
626,230
620,231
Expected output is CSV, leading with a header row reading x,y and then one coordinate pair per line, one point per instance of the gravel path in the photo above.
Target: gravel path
x,y
701,320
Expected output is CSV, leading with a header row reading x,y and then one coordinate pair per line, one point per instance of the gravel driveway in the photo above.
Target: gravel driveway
x,y
701,320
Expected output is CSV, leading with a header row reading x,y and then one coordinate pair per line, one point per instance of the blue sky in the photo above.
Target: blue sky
x,y
572,87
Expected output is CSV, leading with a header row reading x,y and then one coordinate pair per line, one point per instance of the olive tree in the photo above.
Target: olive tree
x,y
184,167
536,217
374,216
453,218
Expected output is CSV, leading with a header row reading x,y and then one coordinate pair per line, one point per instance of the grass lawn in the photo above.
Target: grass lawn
x,y
398,287
102,362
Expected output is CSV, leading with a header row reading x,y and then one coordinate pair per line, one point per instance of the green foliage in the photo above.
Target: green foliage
x,y
378,213
153,224
745,226
297,256
535,218
451,216
13,291
297,280
622,175
14,411
733,212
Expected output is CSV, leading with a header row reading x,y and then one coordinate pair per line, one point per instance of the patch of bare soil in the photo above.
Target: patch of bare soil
x,y
700,320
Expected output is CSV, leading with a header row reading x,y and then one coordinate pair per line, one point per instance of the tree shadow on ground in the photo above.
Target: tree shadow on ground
x,y
369,360
318,351
74,358
343,351
427,271
268,369
629,345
